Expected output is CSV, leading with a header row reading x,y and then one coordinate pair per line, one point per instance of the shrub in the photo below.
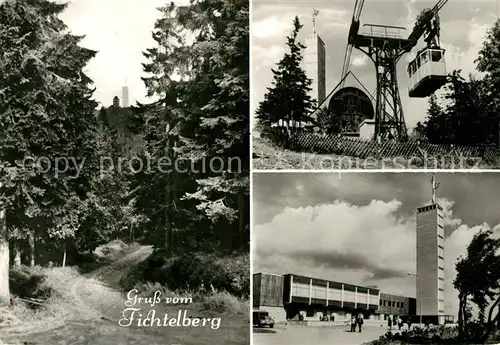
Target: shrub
x,y
194,272
434,335
26,282
224,302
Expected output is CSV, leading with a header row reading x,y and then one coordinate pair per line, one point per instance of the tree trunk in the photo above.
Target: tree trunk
x,y
493,321
465,316
241,222
17,254
173,195
460,316
168,220
168,200
4,260
31,241
64,257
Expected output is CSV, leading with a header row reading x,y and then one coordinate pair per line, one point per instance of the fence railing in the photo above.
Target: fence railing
x,y
360,148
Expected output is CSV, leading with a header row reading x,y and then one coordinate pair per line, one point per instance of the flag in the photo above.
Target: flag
x,y
315,12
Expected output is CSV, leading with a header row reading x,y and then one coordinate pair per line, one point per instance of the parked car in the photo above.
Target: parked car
x,y
261,318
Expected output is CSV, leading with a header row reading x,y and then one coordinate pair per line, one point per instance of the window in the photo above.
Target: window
x,y
385,303
436,55
424,57
402,305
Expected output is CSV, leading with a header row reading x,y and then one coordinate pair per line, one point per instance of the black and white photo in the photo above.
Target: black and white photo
x,y
370,84
376,258
124,172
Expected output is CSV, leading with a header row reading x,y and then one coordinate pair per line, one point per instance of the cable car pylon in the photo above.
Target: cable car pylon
x,y
384,45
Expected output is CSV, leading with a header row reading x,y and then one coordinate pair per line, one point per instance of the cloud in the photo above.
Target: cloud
x,y
271,27
464,58
449,219
266,58
359,60
370,244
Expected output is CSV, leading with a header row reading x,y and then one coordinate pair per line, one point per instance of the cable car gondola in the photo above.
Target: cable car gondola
x,y
427,72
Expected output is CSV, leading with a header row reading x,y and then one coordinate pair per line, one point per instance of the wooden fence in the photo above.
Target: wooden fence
x,y
356,147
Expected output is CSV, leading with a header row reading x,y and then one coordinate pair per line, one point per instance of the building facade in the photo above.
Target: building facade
x,y
315,66
430,263
116,101
396,305
125,97
295,297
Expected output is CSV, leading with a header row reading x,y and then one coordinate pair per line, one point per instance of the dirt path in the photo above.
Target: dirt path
x,y
98,308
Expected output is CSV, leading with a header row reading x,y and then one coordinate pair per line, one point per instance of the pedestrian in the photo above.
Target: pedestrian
x,y
400,323
353,324
389,323
360,321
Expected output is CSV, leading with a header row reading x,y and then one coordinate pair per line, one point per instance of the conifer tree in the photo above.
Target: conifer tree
x,y
288,99
201,117
46,112
434,127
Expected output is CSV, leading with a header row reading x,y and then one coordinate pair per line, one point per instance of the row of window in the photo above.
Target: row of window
x,y
386,303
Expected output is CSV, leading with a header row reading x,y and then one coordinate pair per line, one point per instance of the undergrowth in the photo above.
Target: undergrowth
x,y
214,284
435,335
38,293
203,273
218,284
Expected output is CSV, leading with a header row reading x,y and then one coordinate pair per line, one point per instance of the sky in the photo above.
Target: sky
x,y
359,228
120,30
464,24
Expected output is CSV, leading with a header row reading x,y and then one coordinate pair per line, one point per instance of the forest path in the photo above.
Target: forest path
x,y
96,308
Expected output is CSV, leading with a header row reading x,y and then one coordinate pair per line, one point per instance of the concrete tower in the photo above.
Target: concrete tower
x,y
430,261
125,96
314,63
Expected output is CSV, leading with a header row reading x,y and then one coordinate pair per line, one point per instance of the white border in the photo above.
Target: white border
x,y
250,130
342,171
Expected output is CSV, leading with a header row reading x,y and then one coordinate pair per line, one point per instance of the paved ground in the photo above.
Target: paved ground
x,y
302,335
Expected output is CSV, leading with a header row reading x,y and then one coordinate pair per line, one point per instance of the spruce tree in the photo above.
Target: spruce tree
x,y
288,99
201,117
46,112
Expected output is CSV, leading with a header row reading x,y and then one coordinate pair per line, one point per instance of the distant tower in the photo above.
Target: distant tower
x,y
125,95
430,260
314,63
116,101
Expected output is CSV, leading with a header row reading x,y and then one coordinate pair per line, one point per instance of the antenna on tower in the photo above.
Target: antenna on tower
x,y
315,14
435,186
